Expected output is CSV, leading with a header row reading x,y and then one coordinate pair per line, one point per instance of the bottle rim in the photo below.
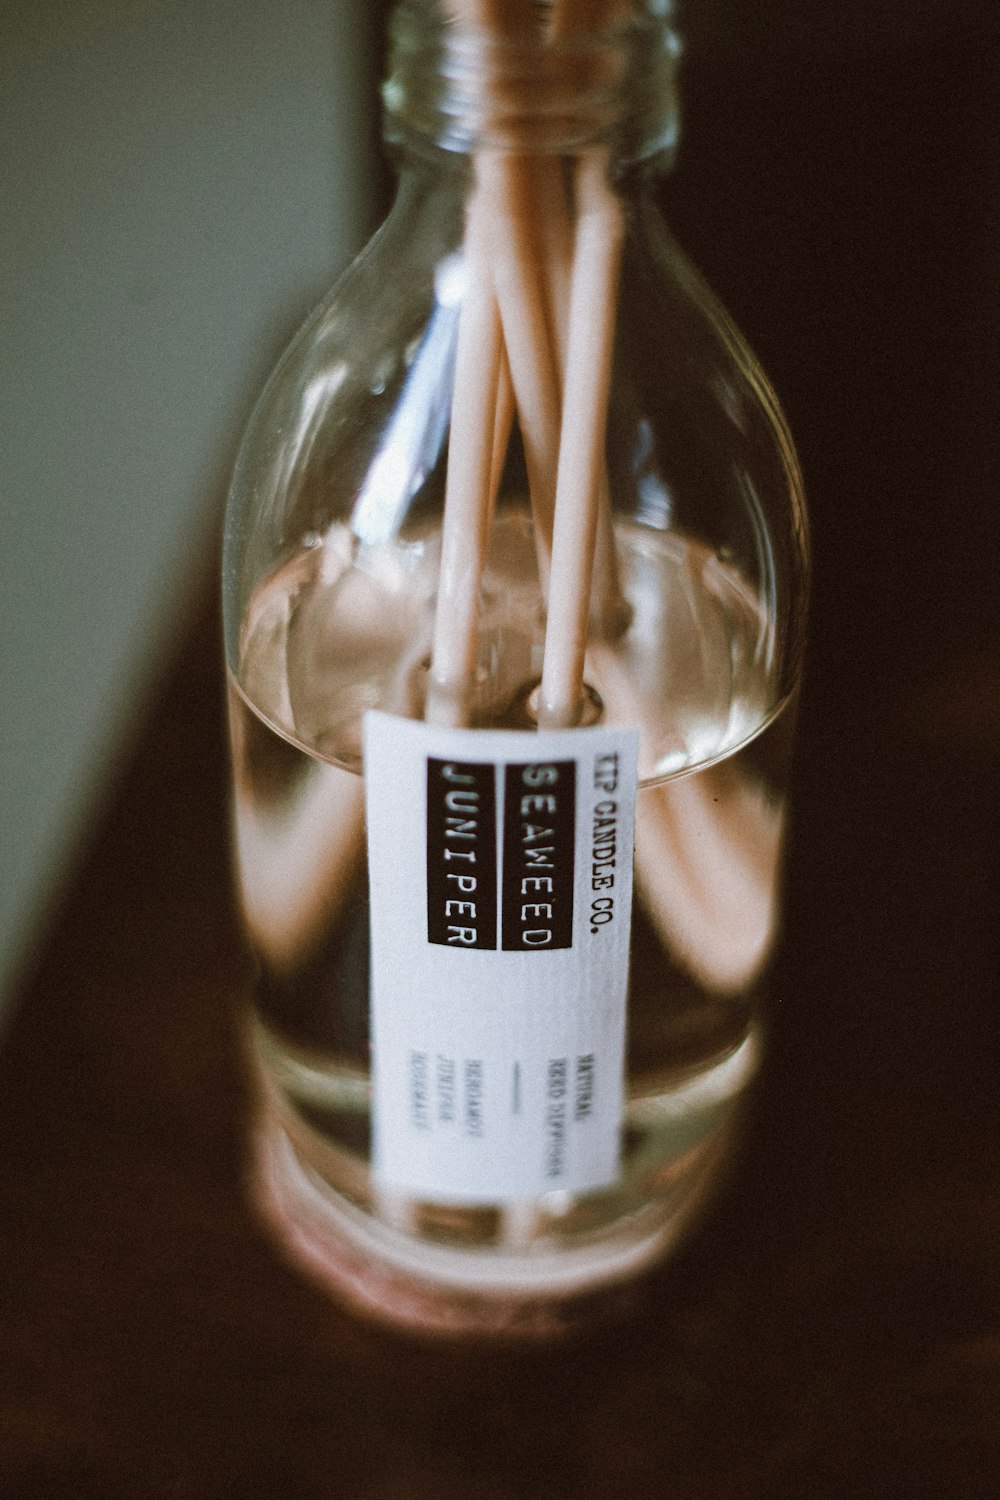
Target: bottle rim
x,y
460,89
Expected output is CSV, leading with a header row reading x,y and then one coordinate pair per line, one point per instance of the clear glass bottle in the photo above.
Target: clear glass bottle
x,y
332,573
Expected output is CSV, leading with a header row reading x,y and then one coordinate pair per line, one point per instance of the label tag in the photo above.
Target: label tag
x,y
500,865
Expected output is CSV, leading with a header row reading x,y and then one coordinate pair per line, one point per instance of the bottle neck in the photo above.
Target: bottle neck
x,y
514,75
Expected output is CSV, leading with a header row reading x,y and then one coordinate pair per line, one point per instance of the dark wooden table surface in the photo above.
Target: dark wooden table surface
x,y
833,1330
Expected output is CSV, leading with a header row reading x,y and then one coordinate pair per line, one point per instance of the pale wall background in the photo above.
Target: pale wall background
x,y
179,180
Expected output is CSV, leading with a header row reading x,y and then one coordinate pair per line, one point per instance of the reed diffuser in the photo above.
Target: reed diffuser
x,y
515,575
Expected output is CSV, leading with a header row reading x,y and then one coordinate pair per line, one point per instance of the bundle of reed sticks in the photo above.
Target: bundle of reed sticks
x,y
536,335
536,332
542,251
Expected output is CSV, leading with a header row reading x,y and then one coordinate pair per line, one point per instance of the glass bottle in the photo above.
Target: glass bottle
x,y
518,130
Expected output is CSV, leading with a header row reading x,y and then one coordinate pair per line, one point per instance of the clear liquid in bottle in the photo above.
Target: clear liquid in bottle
x,y
341,628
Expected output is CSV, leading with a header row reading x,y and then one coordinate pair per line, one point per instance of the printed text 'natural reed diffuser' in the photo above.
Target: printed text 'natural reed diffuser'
x,y
515,572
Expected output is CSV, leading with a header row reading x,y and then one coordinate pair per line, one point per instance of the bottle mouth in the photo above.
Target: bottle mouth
x,y
462,88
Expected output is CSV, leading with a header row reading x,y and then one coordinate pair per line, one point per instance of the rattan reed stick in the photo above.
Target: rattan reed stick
x,y
580,477
517,266
468,498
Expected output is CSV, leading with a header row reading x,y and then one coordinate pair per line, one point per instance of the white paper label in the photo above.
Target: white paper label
x,y
501,893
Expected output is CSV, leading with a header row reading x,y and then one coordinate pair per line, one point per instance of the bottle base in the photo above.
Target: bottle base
x,y
536,1293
